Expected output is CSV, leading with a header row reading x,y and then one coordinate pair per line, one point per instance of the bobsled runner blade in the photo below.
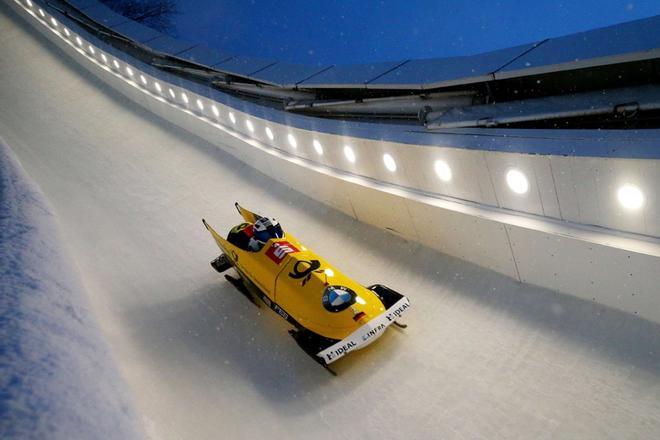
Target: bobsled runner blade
x,y
238,283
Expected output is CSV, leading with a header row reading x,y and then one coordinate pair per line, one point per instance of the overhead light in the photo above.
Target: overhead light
x,y
318,147
349,153
157,86
79,41
389,162
129,71
517,181
269,133
91,49
215,111
143,79
104,58
41,12
630,196
292,140
249,125
200,105
442,170
66,32
29,3
232,118
53,21
184,97
172,94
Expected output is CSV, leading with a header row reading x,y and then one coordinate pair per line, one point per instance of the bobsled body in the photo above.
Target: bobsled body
x,y
332,313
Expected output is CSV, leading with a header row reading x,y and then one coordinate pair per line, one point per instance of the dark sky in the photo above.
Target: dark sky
x,y
352,31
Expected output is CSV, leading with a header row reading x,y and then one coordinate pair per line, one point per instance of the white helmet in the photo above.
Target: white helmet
x,y
266,228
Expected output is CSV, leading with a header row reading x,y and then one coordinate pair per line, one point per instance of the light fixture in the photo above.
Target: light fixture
x,y
129,71
269,133
442,170
249,125
349,153
292,140
104,58
630,196
232,118
79,41
53,21
389,162
200,105
184,97
116,63
215,111
41,12
318,147
143,79
66,32
172,94
29,3
517,181
157,86
91,49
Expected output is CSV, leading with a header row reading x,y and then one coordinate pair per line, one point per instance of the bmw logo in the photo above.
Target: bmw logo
x,y
337,298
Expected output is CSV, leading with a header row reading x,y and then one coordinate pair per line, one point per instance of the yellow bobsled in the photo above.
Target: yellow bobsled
x,y
332,314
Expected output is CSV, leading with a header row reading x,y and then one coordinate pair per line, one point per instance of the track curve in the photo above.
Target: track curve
x,y
483,356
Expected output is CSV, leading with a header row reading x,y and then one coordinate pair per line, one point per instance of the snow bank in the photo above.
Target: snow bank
x,y
57,378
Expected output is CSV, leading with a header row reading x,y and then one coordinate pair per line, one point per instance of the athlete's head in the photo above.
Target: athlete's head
x,y
266,228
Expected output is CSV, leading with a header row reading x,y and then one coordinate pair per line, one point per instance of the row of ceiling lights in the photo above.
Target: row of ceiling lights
x,y
630,196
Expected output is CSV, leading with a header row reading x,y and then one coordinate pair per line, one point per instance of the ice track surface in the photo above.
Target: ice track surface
x,y
483,356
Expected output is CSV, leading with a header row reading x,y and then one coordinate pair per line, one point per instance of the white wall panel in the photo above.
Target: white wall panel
x,y
585,175
383,210
407,173
471,238
651,175
611,175
546,186
499,165
614,277
466,175
375,152
565,188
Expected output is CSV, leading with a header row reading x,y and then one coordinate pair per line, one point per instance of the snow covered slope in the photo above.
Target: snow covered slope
x,y
483,356
57,378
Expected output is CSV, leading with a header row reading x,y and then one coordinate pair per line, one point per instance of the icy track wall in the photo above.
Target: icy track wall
x,y
57,378
574,211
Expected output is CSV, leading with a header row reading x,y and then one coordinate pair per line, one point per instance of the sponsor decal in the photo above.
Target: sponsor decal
x,y
395,312
337,298
280,311
366,334
279,250
303,269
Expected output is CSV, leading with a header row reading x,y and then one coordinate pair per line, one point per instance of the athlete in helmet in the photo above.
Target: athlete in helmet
x,y
253,237
266,228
